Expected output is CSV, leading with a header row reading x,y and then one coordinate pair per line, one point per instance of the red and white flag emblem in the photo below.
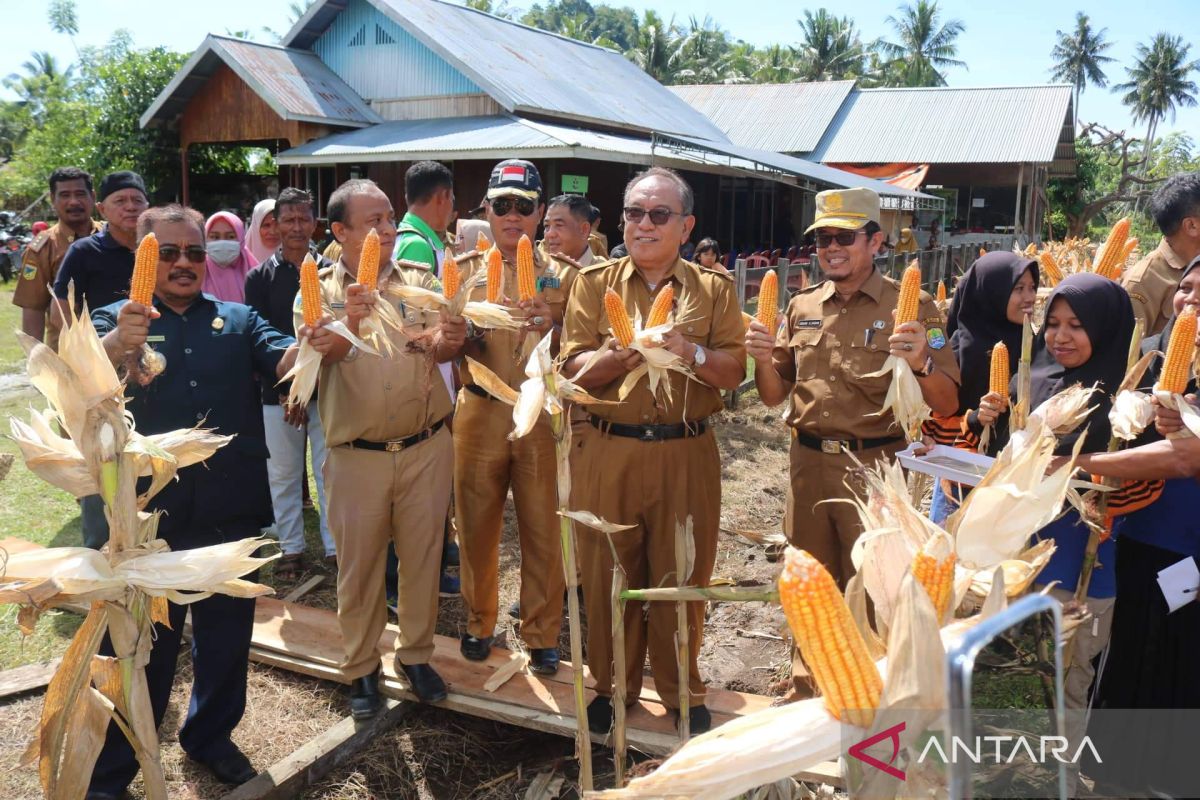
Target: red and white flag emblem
x,y
512,173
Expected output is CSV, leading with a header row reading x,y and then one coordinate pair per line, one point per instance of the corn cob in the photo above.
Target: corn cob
x,y
145,271
768,301
910,295
526,283
451,277
998,382
1108,261
1130,247
618,318
941,291
937,578
1181,349
310,291
482,243
830,642
1051,274
661,310
495,275
982,252
368,261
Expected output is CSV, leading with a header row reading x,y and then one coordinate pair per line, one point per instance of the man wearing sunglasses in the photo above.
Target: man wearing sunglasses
x,y
651,459
486,463
214,351
834,335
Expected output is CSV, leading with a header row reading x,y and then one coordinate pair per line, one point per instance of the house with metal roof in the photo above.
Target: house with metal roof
x,y
988,150
363,88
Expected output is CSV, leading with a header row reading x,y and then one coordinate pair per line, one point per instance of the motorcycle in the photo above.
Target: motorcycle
x,y
15,236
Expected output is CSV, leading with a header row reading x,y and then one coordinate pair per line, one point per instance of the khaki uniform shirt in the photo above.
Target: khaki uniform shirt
x,y
39,268
827,347
598,244
706,313
378,398
500,350
1151,284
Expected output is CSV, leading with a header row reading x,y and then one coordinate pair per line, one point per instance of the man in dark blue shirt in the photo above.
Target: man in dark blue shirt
x,y
213,350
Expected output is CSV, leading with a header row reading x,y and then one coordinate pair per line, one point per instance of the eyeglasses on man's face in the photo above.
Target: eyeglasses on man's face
x,y
843,238
170,253
658,216
501,206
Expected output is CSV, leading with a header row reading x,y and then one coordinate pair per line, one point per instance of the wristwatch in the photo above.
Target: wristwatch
x,y
927,369
700,356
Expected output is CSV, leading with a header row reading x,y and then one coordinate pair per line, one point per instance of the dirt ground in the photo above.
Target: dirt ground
x,y
440,754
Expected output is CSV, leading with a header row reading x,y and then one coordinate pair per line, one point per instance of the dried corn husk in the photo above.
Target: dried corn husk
x,y
307,368
904,398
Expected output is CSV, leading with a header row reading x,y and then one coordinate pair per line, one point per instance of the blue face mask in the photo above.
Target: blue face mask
x,y
224,251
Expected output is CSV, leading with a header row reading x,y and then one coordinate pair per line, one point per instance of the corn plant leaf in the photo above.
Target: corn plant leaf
x,y
594,522
492,383
62,468
531,401
81,349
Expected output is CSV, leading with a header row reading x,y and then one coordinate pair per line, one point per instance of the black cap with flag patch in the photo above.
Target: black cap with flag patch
x,y
515,177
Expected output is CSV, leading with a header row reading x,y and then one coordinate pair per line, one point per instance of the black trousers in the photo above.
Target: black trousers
x,y
221,630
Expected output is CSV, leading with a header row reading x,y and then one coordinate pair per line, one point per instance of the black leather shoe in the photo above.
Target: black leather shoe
x,y
426,684
475,648
233,769
543,660
600,715
699,720
365,700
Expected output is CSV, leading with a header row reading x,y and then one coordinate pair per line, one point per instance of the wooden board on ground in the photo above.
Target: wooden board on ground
x,y
27,678
308,640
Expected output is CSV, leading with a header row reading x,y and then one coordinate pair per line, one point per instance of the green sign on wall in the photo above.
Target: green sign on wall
x,y
574,184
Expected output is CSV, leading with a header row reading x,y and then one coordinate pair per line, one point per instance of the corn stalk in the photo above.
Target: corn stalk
x,y
728,594
620,747
683,535
1020,411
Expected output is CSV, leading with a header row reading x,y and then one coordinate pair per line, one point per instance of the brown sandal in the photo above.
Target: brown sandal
x,y
289,567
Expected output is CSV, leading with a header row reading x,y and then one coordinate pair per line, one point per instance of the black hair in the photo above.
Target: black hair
x,y
423,179
871,228
686,197
576,204
152,217
1176,199
594,216
63,174
336,207
291,196
706,245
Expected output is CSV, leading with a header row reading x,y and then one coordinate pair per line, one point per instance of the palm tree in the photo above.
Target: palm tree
x,y
703,52
925,46
656,48
42,78
1158,83
830,48
775,64
1079,57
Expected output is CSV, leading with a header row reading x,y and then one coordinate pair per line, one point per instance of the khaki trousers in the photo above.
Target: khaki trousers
x,y
486,464
653,486
376,499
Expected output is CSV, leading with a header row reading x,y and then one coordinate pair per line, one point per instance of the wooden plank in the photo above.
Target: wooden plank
x,y
319,756
304,588
27,678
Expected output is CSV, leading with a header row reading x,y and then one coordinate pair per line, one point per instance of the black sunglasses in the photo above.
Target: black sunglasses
x,y
843,238
658,216
502,205
171,253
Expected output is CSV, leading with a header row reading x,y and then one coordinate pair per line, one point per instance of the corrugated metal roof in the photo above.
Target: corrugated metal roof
x,y
295,83
784,117
529,70
945,125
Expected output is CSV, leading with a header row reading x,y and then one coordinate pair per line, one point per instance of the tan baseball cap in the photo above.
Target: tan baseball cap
x,y
845,208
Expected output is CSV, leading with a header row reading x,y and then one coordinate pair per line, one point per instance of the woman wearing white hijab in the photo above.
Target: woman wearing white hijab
x,y
262,237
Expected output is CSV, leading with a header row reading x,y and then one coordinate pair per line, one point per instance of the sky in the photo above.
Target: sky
x,y
1005,43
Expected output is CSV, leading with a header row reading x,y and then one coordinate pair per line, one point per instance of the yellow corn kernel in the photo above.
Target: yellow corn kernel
x,y
526,282
661,310
1181,349
1051,274
310,291
145,271
831,644
998,382
1130,247
1108,261
618,318
451,277
937,578
368,261
482,243
941,291
768,301
495,275
910,295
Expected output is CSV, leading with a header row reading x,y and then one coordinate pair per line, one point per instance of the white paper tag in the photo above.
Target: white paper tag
x,y
1179,583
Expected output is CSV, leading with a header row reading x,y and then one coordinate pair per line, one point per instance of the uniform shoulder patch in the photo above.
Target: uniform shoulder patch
x,y
719,272
565,259
936,337
593,268
404,262
811,288
29,271
40,242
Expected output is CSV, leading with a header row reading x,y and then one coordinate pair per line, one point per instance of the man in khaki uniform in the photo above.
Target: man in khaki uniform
x,y
1151,282
387,475
646,461
567,230
74,201
487,463
835,334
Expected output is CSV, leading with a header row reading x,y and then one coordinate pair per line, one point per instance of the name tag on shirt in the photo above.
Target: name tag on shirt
x,y
337,305
158,338
808,323
548,283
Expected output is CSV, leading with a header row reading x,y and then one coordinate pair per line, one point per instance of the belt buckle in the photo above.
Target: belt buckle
x,y
831,446
647,434
394,446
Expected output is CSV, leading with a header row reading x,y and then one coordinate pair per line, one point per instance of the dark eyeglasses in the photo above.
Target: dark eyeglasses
x,y
658,216
170,253
502,205
843,238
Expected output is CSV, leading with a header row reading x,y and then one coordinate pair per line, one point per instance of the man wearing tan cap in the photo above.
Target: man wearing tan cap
x,y
834,335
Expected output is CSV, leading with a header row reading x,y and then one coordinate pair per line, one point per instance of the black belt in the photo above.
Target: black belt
x,y
475,388
396,445
834,446
650,433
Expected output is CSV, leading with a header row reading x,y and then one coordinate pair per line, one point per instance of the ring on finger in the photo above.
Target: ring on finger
x,y
537,320
908,346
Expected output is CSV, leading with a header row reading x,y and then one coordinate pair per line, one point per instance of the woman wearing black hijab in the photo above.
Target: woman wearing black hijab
x,y
989,306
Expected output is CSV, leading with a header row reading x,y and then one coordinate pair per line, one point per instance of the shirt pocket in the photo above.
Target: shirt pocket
x,y
867,359
696,330
806,352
